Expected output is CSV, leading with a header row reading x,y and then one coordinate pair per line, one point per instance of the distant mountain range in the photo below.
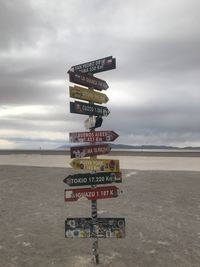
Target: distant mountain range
x,y
123,146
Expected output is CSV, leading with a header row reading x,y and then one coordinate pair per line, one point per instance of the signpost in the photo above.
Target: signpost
x,y
91,193
88,109
96,178
95,66
97,136
88,81
106,165
103,171
105,228
88,95
88,151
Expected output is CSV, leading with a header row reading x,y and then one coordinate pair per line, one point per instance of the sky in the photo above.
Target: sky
x,y
154,90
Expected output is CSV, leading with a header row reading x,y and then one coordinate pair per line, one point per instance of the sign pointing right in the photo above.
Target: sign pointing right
x,y
88,95
97,136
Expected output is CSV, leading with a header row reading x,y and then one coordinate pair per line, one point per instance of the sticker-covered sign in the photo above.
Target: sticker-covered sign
x,y
106,165
93,178
95,66
104,228
91,193
88,151
97,136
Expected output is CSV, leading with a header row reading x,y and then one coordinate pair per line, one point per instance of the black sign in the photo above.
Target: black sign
x,y
88,109
88,81
95,66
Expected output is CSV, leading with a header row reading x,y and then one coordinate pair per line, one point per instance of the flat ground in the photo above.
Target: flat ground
x,y
162,211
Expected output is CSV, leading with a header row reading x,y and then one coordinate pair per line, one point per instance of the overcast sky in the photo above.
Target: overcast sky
x,y
154,91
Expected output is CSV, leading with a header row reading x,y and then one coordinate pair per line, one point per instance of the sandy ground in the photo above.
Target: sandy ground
x,y
162,211
126,162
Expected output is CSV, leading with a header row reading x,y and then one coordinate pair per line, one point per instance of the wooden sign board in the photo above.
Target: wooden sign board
x,y
97,136
106,165
95,66
91,193
96,178
88,95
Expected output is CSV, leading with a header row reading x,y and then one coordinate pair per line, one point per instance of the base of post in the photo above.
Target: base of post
x,y
95,252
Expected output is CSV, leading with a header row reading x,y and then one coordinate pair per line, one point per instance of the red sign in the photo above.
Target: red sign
x,y
88,151
91,193
97,136
88,81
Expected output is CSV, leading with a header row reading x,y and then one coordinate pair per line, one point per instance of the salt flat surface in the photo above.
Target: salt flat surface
x,y
161,209
126,162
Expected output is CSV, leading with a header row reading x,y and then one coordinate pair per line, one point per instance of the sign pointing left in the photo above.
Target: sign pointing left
x,y
93,178
95,66
88,151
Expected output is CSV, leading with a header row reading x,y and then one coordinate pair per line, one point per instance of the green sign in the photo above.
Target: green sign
x,y
93,178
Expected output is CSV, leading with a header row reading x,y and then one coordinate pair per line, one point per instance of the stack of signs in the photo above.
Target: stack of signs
x,y
103,172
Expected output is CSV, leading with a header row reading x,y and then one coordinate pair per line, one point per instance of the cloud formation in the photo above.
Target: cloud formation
x,y
154,94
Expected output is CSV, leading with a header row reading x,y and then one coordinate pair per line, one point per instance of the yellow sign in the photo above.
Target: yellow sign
x,y
106,165
88,95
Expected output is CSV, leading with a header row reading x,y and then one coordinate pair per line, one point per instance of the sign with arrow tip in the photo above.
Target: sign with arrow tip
x,y
95,66
93,178
88,109
88,95
107,165
91,193
88,81
97,136
89,151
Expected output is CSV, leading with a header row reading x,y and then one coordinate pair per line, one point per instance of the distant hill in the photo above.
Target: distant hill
x,y
123,146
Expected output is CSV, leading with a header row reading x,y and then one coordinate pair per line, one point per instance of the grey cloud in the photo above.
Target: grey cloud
x,y
156,46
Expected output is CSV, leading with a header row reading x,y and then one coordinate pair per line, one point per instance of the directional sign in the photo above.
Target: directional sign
x,y
93,178
88,109
88,95
97,136
88,81
88,151
104,228
91,193
99,65
93,122
107,165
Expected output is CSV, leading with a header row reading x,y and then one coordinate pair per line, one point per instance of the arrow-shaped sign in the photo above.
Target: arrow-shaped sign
x,y
95,66
88,151
88,95
88,109
91,193
107,165
88,81
93,178
97,136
